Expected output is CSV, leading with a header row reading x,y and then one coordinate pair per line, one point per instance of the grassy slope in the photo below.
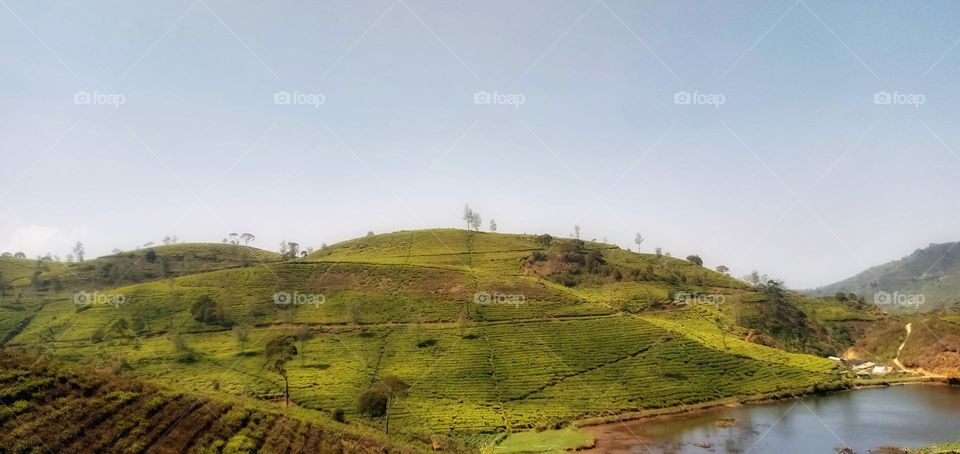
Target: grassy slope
x,y
933,271
565,353
53,407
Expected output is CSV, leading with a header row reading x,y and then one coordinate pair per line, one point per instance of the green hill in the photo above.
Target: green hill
x,y
492,332
933,272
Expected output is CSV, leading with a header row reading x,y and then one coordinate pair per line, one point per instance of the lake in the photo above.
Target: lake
x,y
905,416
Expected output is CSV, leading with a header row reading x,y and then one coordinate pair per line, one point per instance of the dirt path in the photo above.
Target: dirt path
x,y
896,360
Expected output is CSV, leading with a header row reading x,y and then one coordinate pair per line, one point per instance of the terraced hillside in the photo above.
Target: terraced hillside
x,y
160,262
53,407
491,332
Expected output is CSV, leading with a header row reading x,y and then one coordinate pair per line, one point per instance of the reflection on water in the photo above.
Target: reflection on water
x,y
906,416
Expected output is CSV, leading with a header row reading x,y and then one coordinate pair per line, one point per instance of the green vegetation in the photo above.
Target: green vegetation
x,y
545,441
51,407
489,333
946,448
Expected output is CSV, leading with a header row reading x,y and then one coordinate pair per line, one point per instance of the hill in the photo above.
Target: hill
x,y
492,332
933,272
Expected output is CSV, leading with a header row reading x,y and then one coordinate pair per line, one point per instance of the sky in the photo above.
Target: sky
x,y
805,139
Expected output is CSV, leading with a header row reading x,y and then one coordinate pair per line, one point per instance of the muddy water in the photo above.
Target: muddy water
x,y
864,420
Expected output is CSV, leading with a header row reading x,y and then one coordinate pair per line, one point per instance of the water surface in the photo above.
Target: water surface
x,y
864,420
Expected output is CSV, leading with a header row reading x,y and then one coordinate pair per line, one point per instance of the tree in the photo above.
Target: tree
x,y
468,216
234,238
544,240
46,337
576,231
138,324
369,233
418,325
722,269
376,401
695,259
840,296
463,322
753,278
659,252
247,238
150,256
78,251
472,218
4,285
19,255
353,312
206,310
6,255
241,334
303,335
289,249
493,225
180,348
278,352
639,240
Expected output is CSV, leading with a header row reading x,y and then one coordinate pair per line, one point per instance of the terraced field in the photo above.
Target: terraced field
x,y
596,332
51,407
497,376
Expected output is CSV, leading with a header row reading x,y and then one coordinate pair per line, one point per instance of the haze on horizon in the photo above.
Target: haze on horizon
x,y
806,139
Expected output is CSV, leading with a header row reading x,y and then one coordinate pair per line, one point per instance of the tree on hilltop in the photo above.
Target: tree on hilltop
x,y
78,251
472,218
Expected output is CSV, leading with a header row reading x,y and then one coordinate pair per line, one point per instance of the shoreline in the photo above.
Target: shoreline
x,y
668,413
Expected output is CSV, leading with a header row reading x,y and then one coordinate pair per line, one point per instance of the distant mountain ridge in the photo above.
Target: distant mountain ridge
x,y
926,279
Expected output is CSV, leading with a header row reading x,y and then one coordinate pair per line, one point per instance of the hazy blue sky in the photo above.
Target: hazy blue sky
x,y
199,147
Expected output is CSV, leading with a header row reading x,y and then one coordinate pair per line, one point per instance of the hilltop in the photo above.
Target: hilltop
x,y
933,272
492,332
